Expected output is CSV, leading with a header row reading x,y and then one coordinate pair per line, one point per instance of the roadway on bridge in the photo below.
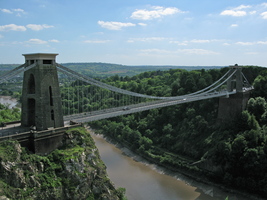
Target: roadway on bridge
x,y
108,113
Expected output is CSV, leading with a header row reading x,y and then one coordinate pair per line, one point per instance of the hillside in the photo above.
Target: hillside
x,y
103,70
188,137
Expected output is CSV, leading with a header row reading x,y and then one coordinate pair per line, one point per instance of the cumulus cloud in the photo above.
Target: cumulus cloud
x,y
96,41
38,27
6,11
186,42
234,13
251,43
242,7
114,25
262,42
198,51
54,41
234,25
253,12
147,39
17,11
184,51
36,41
142,24
200,41
245,43
155,12
12,27
244,10
264,15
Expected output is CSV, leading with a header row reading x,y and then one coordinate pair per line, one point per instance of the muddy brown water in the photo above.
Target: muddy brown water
x,y
145,181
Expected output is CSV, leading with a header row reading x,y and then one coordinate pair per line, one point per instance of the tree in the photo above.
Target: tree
x,y
257,107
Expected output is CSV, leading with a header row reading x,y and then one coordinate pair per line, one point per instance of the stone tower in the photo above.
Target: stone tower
x,y
41,100
232,106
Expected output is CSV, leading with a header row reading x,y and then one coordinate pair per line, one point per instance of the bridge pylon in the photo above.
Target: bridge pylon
x,y
230,107
41,99
235,81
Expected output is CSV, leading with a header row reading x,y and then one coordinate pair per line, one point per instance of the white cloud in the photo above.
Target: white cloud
x,y
234,13
148,39
264,5
234,25
264,15
142,24
187,42
198,51
200,41
252,53
158,51
12,27
55,41
96,41
179,51
36,41
37,27
237,11
6,11
262,42
155,12
252,43
245,43
17,11
184,43
253,12
114,25
241,7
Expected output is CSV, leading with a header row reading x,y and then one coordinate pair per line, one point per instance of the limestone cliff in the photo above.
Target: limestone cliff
x,y
73,172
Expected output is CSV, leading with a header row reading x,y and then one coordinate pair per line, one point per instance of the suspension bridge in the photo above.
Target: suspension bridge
x,y
45,107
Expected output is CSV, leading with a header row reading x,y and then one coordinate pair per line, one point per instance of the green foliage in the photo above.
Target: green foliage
x,y
59,175
182,134
7,115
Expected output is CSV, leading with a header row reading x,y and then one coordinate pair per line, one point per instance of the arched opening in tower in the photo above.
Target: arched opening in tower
x,y
31,113
50,95
31,85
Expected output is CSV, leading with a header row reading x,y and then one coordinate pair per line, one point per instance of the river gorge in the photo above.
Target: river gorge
x,y
144,180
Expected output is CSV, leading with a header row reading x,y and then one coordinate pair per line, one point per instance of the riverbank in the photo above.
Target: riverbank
x,y
195,180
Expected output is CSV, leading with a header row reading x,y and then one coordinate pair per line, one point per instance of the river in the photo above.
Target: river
x,y
144,181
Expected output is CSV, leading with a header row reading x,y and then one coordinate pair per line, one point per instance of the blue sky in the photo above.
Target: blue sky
x,y
136,32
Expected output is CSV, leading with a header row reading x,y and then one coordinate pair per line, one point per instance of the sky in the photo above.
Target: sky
x,y
136,32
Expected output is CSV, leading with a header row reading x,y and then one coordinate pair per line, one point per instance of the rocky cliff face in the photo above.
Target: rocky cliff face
x,y
72,172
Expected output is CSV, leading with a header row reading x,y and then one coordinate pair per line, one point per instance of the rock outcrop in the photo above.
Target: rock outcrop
x,y
73,172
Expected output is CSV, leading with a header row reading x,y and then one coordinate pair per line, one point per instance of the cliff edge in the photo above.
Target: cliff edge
x,y
74,171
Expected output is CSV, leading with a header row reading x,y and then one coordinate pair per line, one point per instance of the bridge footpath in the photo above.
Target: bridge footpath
x,y
124,110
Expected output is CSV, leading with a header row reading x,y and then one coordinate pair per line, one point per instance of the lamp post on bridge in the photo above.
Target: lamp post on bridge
x,y
41,99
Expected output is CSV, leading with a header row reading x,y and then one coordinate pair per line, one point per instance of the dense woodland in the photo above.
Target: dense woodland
x,y
185,137
180,135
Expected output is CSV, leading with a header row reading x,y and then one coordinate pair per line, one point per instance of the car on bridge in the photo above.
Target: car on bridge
x,y
126,108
